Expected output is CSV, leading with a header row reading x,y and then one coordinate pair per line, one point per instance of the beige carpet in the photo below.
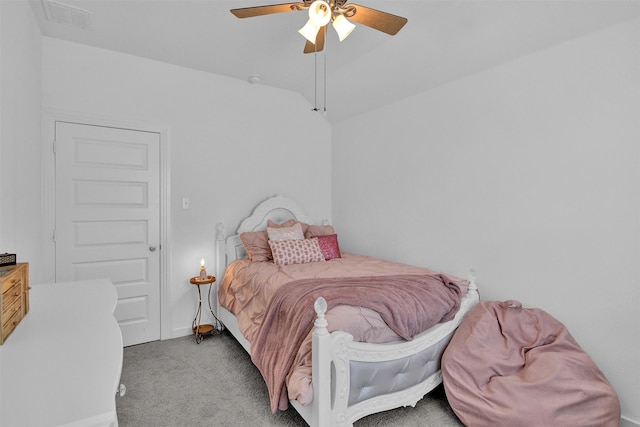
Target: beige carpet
x,y
180,383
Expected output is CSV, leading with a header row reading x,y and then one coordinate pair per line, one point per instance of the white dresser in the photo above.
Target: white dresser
x,y
62,364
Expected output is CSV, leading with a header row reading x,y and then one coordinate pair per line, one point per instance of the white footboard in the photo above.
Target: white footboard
x,y
409,370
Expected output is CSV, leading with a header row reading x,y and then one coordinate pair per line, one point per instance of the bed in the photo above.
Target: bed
x,y
327,375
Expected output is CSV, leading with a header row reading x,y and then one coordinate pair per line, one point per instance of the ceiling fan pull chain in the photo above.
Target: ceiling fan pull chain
x,y
315,81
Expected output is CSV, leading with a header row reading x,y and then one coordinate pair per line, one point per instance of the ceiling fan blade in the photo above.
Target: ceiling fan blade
x,y
249,12
381,21
319,46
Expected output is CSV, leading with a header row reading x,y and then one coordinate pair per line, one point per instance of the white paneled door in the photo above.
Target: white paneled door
x,y
108,218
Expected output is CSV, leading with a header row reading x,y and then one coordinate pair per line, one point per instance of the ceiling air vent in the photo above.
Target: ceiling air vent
x,y
61,13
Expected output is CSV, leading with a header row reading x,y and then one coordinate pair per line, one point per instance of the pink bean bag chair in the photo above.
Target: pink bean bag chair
x,y
510,366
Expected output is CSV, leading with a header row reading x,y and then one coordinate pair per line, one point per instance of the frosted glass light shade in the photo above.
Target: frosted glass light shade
x,y
320,13
342,26
309,31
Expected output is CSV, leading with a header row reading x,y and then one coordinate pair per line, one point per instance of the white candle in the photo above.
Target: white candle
x,y
203,270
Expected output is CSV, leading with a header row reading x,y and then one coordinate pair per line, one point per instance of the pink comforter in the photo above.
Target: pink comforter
x,y
248,287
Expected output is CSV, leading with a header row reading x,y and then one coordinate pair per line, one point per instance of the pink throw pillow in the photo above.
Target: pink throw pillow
x,y
319,230
329,246
286,233
257,245
288,223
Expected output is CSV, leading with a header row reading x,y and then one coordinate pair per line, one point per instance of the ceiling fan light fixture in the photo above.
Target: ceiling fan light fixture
x,y
309,31
343,27
320,13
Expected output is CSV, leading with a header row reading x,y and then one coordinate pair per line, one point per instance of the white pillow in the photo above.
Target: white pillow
x,y
286,233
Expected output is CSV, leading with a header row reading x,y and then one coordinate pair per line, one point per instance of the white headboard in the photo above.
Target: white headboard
x,y
277,209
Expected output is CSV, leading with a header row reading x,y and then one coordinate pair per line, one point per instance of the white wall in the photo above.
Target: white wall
x,y
19,137
20,178
529,173
232,144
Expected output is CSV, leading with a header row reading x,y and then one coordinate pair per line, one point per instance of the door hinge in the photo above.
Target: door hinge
x,y
54,147
53,236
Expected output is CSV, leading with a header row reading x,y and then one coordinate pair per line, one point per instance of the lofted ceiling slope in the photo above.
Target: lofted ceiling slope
x,y
444,40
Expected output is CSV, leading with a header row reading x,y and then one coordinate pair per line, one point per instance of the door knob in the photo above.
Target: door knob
x,y
152,248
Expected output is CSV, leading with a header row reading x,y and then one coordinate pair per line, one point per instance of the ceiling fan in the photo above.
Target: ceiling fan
x,y
321,13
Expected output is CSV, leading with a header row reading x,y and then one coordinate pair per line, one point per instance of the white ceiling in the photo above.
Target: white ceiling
x,y
444,40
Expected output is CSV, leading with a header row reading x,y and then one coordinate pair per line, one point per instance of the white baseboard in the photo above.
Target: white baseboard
x,y
181,332
627,422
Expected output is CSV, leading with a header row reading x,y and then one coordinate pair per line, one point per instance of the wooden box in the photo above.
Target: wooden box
x,y
14,302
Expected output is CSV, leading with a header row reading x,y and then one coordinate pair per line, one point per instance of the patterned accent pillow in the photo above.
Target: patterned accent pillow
x,y
286,233
329,246
287,252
